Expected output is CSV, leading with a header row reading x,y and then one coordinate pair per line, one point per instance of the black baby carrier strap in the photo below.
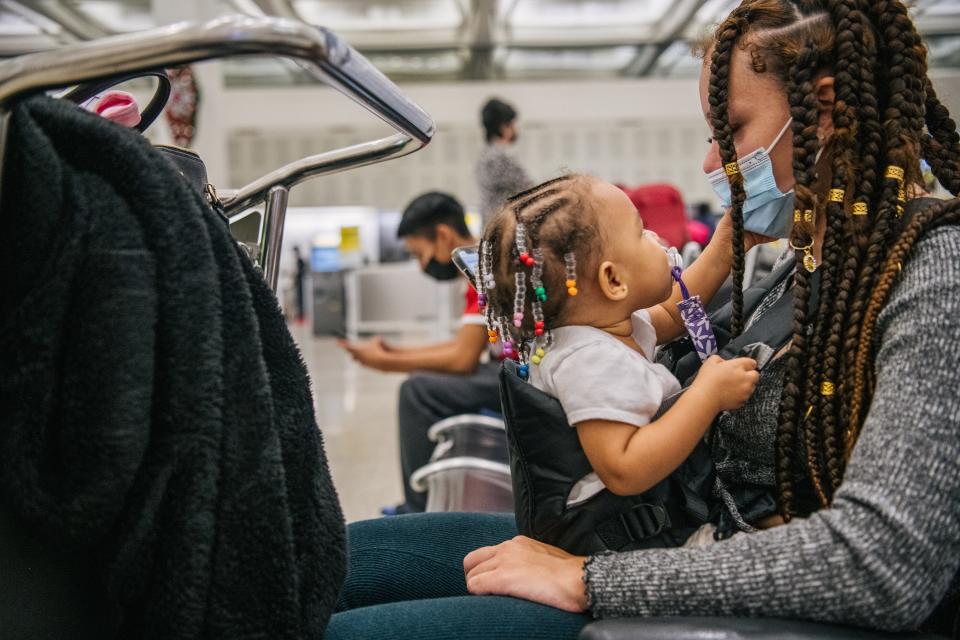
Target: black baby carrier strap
x,y
546,458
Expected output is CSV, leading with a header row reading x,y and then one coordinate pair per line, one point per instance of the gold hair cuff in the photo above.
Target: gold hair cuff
x,y
902,195
731,168
859,209
796,215
836,195
826,388
899,211
808,215
894,172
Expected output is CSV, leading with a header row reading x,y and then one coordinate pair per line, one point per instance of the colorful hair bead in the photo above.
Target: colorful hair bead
x,y
524,371
519,299
539,324
486,266
521,241
536,277
538,356
478,283
570,263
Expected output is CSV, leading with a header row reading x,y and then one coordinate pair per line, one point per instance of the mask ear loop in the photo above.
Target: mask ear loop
x,y
779,135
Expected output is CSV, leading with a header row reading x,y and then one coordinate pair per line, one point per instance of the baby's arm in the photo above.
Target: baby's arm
x,y
631,460
704,277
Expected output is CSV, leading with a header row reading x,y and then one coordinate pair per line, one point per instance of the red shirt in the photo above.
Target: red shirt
x,y
471,308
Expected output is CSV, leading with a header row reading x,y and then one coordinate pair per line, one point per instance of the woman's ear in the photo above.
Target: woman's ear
x,y
823,90
611,282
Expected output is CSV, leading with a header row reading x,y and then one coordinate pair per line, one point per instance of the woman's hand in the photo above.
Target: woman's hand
x,y
525,568
724,235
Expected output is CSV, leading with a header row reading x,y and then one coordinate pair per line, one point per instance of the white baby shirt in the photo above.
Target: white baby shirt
x,y
595,376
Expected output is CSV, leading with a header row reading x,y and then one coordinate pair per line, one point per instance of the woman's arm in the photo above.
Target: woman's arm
x,y
630,460
882,556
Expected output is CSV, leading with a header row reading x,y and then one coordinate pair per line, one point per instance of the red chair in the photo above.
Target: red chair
x,y
662,210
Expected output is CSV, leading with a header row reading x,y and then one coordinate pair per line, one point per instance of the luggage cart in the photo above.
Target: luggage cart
x,y
319,51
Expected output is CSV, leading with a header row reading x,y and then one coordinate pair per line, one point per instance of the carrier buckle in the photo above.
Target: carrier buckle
x,y
644,520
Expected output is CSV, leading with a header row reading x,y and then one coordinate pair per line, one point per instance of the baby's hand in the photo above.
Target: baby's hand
x,y
728,383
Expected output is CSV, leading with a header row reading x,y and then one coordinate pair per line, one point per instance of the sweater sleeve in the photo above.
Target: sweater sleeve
x,y
885,554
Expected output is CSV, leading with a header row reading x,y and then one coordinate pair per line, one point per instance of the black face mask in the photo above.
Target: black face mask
x,y
440,271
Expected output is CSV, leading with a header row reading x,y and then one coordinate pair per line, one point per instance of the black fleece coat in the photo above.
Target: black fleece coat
x,y
155,414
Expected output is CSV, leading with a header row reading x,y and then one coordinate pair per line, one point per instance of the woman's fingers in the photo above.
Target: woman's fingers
x,y
487,566
492,582
478,556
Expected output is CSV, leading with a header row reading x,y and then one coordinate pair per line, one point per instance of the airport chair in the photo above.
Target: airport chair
x,y
469,469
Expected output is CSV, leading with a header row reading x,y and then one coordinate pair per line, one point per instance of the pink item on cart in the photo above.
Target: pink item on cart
x,y
699,232
119,107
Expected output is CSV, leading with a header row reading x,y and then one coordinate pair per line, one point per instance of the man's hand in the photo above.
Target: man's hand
x,y
371,353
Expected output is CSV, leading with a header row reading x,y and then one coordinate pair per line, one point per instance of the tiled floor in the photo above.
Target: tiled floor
x,y
356,410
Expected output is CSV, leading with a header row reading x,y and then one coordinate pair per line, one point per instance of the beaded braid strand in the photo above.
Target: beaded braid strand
x,y
570,262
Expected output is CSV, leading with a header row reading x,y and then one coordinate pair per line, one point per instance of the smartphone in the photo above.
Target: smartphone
x,y
467,260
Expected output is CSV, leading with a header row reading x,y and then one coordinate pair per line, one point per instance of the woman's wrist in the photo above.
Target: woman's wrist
x,y
577,582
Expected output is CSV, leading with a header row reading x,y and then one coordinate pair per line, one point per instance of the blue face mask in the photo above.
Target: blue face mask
x,y
767,210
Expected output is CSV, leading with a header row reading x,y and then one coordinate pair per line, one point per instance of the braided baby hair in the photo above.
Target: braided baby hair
x,y
532,253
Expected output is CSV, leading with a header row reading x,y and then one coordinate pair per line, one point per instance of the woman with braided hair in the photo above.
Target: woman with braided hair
x,y
840,478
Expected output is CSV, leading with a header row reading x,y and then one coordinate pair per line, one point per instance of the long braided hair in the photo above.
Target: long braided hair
x,y
886,116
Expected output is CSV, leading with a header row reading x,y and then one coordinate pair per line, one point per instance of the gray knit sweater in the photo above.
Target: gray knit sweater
x,y
887,551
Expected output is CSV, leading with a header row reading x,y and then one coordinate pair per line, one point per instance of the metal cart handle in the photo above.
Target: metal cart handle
x,y
318,50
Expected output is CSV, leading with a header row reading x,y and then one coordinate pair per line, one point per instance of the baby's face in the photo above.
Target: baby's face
x,y
627,244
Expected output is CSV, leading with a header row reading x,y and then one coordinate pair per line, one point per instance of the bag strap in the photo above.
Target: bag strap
x,y
776,328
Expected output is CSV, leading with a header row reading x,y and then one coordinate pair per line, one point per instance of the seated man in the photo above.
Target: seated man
x,y
450,378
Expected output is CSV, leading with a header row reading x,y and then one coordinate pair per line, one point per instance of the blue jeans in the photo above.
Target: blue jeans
x,y
405,581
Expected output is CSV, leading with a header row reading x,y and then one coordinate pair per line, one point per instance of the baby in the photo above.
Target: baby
x,y
569,271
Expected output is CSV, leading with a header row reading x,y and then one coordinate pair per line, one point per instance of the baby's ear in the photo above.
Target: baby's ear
x,y
610,280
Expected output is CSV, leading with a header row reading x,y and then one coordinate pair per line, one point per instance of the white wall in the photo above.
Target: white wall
x,y
630,131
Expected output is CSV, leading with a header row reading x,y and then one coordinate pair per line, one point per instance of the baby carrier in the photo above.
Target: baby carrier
x,y
546,458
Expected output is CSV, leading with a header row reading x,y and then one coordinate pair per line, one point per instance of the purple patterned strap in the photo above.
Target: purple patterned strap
x,y
695,319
